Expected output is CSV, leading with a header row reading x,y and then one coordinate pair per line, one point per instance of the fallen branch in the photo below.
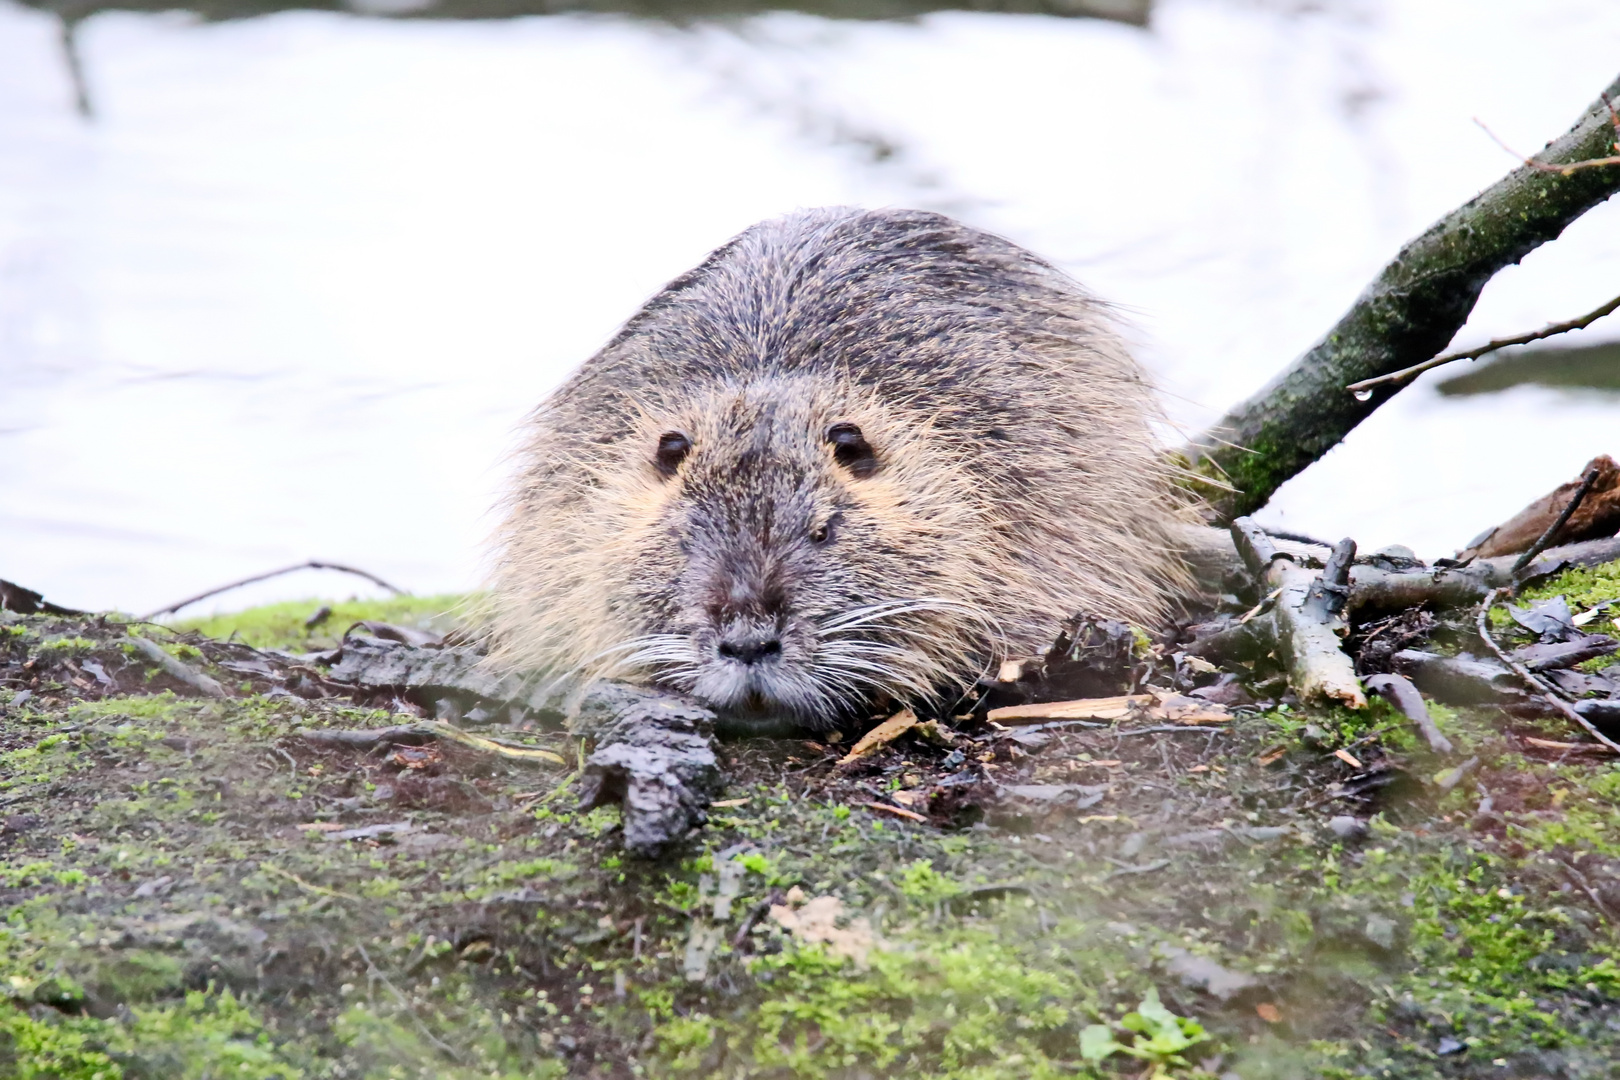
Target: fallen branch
x,y
1556,517
14,597
1533,680
1214,558
1398,691
656,759
173,668
1550,330
312,564
1545,538
1405,316
1308,633
1459,680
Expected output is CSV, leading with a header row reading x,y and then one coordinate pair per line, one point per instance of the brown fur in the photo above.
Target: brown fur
x,y
1014,477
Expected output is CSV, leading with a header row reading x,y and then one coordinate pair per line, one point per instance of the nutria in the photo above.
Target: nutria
x,y
854,458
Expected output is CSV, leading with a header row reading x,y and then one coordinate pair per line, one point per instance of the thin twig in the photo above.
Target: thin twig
x,y
319,890
1586,887
375,973
1550,330
1531,679
1573,166
312,564
1563,519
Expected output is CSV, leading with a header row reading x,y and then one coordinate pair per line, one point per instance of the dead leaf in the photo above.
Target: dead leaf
x,y
1349,759
320,826
1268,1012
730,802
416,757
882,735
909,798
816,922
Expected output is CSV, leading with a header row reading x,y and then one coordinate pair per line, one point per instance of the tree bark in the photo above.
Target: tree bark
x,y
1405,316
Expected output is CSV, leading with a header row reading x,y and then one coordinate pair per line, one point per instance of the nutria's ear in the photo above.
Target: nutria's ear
x,y
852,451
672,450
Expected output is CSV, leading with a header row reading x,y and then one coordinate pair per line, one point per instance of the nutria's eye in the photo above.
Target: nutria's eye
x,y
852,451
819,534
672,450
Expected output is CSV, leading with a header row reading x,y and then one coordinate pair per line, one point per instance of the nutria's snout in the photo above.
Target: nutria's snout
x,y
746,670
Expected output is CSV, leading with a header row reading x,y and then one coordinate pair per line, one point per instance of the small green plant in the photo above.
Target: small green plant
x,y
922,883
1159,1037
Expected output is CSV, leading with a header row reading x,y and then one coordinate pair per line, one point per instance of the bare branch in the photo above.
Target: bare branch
x,y
310,565
1405,316
1570,507
1550,330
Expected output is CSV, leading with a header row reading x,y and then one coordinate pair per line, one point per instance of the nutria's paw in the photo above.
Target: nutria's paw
x,y
657,761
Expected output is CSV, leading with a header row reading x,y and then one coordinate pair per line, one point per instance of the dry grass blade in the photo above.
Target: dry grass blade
x,y
450,733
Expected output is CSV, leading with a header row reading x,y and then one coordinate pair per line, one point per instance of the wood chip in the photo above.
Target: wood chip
x,y
895,810
1274,754
909,798
1567,747
1159,705
885,733
320,826
1108,708
1010,671
730,802
1349,759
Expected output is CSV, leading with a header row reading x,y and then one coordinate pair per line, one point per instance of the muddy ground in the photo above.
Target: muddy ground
x,y
191,888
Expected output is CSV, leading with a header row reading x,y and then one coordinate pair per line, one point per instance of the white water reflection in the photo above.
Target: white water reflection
x,y
290,290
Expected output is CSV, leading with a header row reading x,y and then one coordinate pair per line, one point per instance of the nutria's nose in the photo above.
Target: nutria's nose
x,y
750,648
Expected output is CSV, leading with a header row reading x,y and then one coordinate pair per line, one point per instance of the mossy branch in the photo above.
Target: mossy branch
x,y
1404,317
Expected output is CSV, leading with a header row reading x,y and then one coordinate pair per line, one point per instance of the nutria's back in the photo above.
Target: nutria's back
x,y
854,455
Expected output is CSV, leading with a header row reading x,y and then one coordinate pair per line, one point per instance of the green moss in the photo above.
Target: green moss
x,y
65,646
37,1049
281,626
1583,587
958,1003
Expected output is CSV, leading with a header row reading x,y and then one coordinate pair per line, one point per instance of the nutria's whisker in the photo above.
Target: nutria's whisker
x,y
889,609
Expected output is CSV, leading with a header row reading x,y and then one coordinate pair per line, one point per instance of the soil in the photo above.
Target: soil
x,y
191,888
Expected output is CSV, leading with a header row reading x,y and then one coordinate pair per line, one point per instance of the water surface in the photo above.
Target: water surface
x,y
289,290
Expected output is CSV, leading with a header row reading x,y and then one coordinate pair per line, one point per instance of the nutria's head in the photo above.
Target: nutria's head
x,y
784,549
852,459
